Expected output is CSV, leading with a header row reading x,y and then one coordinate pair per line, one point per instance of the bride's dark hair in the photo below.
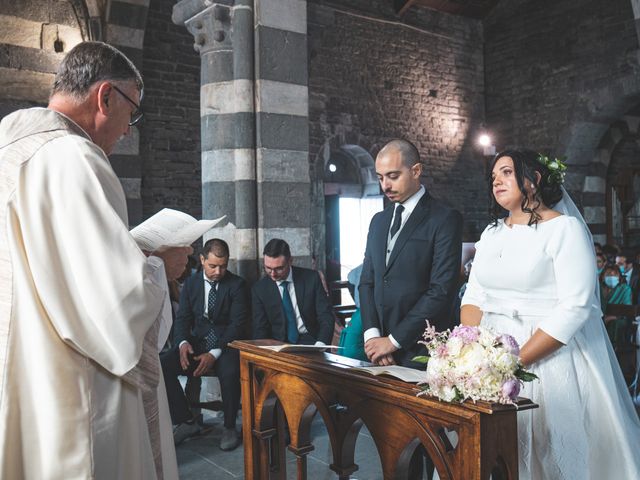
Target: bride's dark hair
x,y
548,190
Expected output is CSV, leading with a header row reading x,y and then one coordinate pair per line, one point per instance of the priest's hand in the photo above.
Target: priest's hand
x,y
378,348
185,350
206,363
175,259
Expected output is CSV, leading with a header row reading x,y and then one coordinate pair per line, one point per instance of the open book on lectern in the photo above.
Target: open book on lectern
x,y
171,228
291,348
410,375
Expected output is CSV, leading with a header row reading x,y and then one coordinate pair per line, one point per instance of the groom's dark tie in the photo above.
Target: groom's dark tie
x,y
397,220
287,305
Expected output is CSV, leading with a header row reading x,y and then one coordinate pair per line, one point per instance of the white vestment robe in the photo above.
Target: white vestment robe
x,y
78,299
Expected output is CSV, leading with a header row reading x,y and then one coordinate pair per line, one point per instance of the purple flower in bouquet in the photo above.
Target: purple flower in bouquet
x,y
466,334
510,344
510,390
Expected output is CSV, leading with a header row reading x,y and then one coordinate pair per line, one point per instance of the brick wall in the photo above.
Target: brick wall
x,y
553,82
170,133
372,79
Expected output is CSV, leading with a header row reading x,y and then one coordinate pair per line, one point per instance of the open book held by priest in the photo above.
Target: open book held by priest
x,y
171,228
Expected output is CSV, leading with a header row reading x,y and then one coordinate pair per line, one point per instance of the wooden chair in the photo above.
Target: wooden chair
x,y
627,348
193,396
342,312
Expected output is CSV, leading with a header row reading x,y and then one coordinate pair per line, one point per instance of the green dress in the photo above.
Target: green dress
x,y
352,338
621,295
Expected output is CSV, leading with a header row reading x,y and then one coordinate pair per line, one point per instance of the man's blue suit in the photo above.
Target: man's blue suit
x,y
230,322
230,315
269,319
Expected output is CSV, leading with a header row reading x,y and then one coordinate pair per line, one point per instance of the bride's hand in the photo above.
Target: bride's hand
x,y
539,346
470,315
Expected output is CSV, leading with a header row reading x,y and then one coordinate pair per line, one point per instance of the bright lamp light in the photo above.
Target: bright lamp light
x,y
484,140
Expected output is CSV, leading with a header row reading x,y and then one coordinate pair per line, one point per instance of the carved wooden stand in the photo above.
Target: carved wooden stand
x,y
299,386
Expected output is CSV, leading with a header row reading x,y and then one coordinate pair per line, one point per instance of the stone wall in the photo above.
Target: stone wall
x,y
170,133
373,77
557,85
551,84
28,56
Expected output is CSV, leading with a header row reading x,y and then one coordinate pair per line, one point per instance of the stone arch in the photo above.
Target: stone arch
x,y
346,170
352,153
95,12
352,167
621,149
596,202
589,142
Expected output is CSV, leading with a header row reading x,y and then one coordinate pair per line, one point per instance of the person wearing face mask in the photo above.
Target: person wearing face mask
x,y
614,291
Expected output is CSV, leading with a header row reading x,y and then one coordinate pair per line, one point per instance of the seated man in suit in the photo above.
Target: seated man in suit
x,y
625,262
290,303
214,311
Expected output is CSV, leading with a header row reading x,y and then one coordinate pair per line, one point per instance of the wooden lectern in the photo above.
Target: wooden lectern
x,y
301,385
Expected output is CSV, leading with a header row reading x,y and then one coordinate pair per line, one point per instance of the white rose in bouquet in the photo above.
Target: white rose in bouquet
x,y
454,345
504,361
472,357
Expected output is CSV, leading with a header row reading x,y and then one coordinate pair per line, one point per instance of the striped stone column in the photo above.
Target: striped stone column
x,y
282,110
224,37
255,138
635,5
594,196
125,26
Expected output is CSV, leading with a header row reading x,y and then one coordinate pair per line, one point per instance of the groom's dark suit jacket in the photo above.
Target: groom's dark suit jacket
x,y
313,303
419,282
230,315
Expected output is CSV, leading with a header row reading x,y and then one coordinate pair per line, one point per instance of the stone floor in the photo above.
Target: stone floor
x,y
200,457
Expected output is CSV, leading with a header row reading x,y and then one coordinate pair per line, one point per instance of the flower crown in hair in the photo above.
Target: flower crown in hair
x,y
556,167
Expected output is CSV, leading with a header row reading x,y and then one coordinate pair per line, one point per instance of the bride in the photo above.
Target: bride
x,y
534,277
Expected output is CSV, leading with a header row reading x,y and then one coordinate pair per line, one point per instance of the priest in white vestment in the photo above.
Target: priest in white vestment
x,y
82,309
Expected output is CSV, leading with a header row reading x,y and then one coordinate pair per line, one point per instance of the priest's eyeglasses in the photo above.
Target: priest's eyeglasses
x,y
137,114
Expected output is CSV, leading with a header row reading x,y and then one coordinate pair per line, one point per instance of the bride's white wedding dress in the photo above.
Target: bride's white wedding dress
x,y
543,277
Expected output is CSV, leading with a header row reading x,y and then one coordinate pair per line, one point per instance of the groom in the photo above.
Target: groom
x,y
411,263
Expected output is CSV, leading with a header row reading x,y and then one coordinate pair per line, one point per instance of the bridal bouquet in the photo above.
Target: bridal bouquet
x,y
472,363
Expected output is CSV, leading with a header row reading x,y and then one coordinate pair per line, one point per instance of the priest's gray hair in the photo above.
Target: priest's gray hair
x,y
408,151
91,62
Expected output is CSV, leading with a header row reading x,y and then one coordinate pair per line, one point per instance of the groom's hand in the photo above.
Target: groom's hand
x,y
379,348
386,360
